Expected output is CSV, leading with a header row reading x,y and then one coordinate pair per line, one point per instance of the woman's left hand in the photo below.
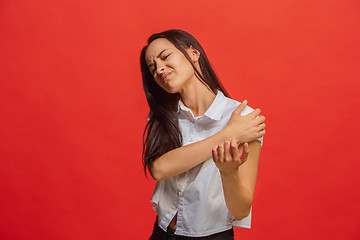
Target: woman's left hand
x,y
228,158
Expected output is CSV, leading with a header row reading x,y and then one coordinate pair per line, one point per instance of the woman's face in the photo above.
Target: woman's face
x,y
168,65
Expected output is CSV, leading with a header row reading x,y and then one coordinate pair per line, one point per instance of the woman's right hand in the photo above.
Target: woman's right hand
x,y
245,128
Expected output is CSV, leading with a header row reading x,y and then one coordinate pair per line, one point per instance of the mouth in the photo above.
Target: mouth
x,y
166,76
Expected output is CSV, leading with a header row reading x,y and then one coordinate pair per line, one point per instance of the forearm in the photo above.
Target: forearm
x,y
184,158
238,197
239,183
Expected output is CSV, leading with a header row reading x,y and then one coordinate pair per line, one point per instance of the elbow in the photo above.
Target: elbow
x,y
241,215
156,172
245,210
157,176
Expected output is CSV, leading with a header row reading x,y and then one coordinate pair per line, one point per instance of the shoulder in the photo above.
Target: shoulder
x,y
233,104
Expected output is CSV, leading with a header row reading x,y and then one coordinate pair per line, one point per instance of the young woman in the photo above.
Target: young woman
x,y
200,146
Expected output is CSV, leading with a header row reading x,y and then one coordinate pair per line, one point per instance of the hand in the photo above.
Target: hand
x,y
227,157
245,128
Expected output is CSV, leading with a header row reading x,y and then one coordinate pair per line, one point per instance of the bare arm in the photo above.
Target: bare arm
x,y
238,169
242,128
182,159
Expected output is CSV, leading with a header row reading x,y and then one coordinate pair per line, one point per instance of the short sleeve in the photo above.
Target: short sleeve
x,y
246,111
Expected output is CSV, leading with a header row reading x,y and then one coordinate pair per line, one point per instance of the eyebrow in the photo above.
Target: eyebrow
x,y
152,64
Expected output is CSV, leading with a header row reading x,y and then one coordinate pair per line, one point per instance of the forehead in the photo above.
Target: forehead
x,y
156,47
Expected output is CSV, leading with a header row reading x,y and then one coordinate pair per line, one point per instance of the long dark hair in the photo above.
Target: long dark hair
x,y
162,133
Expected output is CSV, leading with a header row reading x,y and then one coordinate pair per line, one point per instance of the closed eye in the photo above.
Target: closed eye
x,y
163,58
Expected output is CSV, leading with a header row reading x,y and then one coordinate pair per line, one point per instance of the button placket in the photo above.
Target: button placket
x,y
194,131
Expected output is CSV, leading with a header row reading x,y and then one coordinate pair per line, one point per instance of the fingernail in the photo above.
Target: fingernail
x,y
245,101
246,145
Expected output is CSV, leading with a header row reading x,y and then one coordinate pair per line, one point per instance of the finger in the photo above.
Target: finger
x,y
215,154
234,150
245,153
241,107
221,153
260,119
255,113
261,133
261,127
227,152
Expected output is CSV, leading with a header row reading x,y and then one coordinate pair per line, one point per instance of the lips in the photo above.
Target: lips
x,y
166,76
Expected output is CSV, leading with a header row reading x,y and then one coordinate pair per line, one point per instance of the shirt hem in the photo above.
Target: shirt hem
x,y
204,234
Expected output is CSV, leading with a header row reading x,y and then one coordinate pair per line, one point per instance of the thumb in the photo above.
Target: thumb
x,y
241,107
245,153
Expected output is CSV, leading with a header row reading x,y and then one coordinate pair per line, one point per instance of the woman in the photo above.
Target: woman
x,y
200,146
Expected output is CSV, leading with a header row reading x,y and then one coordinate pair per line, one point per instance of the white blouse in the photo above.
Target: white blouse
x,y
197,194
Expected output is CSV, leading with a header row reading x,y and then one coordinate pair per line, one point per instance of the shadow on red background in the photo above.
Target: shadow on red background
x,y
73,112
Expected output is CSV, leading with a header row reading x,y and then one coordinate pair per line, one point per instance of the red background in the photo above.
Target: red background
x,y
73,112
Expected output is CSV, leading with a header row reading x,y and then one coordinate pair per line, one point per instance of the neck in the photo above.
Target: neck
x,y
198,97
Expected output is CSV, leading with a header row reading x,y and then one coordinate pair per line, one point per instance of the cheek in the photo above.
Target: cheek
x,y
188,69
185,67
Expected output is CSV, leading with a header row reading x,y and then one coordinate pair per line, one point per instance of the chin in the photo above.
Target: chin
x,y
171,89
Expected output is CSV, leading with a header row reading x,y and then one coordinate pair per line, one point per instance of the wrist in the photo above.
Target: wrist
x,y
222,136
228,134
236,134
230,174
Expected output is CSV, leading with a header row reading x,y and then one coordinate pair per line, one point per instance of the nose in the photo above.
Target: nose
x,y
160,69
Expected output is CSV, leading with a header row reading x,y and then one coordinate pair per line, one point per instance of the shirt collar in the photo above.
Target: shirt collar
x,y
214,111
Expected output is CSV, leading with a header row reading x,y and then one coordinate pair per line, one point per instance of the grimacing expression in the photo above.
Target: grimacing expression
x,y
168,65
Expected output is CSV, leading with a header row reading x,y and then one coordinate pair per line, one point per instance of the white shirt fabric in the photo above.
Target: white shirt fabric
x,y
197,194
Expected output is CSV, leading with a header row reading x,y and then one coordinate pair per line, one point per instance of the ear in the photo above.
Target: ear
x,y
193,53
